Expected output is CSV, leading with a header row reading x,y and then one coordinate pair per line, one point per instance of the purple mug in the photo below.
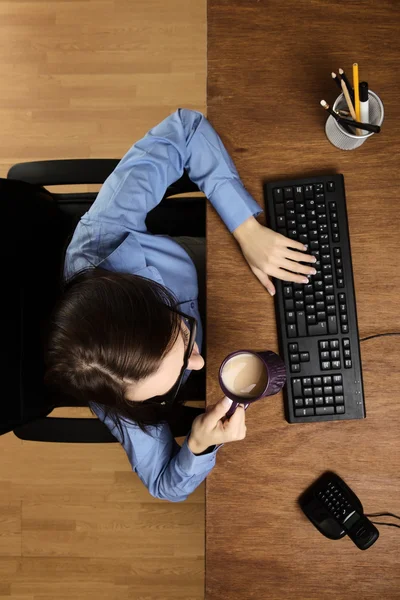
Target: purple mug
x,y
276,378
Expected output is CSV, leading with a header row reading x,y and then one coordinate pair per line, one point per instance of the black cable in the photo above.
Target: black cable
x,y
383,514
370,337
388,524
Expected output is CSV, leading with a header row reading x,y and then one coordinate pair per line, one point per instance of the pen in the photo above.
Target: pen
x,y
364,103
356,91
342,121
348,84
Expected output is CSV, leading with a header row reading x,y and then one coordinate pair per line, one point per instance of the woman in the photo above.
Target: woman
x,y
127,331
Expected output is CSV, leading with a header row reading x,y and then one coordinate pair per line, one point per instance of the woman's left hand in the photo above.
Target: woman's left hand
x,y
272,254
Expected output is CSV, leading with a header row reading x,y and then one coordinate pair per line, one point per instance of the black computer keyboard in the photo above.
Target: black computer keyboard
x,y
317,322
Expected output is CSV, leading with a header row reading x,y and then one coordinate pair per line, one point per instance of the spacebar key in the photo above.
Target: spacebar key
x,y
318,329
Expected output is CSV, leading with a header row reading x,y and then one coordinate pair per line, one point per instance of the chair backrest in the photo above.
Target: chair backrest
x,y
38,225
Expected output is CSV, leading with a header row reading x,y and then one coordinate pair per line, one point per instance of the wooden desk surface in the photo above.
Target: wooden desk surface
x,y
269,65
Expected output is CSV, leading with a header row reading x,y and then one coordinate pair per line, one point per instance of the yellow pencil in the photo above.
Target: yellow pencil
x,y
349,103
356,91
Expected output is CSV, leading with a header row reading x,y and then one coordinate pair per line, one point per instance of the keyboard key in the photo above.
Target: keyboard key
x,y
325,355
328,400
289,204
331,309
278,194
343,319
296,384
304,357
288,192
299,305
287,291
318,390
328,390
339,399
337,379
319,187
340,410
320,306
318,329
280,221
298,193
307,381
307,391
342,297
332,324
336,364
304,412
325,365
295,368
291,331
298,294
346,343
335,237
338,389
347,353
295,358
335,354
317,381
289,304
308,191
334,344
345,329
321,316
314,245
303,238
292,234
330,186
280,209
301,323
308,401
347,364
290,317
310,309
318,400
324,410
311,319
298,402
293,347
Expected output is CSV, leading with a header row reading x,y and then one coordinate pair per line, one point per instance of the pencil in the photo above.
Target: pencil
x,y
356,91
347,82
336,79
349,104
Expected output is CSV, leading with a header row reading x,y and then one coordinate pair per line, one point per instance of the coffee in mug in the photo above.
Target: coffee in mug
x,y
245,375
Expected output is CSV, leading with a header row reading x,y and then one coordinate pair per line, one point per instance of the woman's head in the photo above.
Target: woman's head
x,y
116,340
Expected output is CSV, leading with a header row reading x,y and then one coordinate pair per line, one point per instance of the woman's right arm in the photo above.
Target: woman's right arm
x,y
171,472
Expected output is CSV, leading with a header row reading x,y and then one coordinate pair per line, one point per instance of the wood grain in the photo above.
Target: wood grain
x,y
269,65
87,78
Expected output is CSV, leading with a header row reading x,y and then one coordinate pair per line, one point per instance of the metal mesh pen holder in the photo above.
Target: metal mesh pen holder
x,y
341,138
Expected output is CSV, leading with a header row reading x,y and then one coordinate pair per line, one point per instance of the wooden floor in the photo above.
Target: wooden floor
x,y
86,79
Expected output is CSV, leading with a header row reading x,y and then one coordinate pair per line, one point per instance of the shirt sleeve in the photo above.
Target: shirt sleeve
x,y
184,140
169,472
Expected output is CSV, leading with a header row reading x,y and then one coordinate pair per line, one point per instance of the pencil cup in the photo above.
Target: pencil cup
x,y
341,138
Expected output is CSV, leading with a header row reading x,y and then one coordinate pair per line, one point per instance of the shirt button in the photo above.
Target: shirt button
x,y
192,304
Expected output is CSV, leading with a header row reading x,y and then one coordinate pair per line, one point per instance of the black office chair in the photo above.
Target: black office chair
x,y
38,226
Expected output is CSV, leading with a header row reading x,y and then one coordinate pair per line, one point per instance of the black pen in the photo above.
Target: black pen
x,y
339,119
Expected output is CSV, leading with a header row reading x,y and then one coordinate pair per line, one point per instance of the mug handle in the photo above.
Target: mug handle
x,y
234,407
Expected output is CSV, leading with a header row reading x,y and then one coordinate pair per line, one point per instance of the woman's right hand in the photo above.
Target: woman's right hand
x,y
210,428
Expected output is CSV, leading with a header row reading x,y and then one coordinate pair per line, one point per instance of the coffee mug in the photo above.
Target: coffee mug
x,y
246,376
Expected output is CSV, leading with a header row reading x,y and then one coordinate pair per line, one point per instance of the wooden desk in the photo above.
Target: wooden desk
x,y
269,65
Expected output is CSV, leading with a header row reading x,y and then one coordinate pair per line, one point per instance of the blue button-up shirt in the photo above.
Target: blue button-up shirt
x,y
112,234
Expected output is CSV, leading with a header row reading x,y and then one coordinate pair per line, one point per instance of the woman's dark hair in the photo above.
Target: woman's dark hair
x,y
108,328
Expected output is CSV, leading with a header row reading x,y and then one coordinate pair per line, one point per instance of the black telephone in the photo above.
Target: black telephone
x,y
335,511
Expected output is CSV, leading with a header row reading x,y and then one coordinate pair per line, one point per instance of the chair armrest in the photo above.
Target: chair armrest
x,y
64,172
62,429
